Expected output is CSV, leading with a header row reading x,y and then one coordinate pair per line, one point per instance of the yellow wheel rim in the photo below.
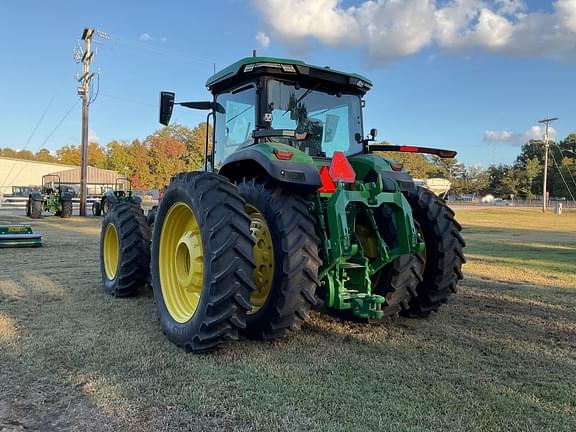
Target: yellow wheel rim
x,y
111,251
263,253
181,262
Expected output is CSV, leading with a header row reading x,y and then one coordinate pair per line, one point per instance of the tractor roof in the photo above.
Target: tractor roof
x,y
295,69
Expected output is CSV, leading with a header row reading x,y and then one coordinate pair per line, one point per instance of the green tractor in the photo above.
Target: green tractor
x,y
293,210
118,194
53,198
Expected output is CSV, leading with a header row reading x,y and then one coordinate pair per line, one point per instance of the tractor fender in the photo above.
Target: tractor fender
x,y
259,160
110,197
36,196
65,196
369,167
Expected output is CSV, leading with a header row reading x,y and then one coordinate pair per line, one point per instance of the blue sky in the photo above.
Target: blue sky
x,y
470,75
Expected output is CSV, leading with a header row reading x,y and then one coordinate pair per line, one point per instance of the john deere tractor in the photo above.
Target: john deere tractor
x,y
292,210
116,195
53,198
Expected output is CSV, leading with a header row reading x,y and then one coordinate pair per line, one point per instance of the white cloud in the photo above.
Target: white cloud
x,y
145,37
263,39
518,138
388,29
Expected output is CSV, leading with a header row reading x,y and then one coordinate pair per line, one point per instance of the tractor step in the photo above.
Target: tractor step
x,y
19,236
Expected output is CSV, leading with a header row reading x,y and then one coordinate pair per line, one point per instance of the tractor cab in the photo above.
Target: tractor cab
x,y
315,110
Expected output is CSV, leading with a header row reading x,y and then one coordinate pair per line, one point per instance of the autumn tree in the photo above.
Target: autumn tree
x,y
68,155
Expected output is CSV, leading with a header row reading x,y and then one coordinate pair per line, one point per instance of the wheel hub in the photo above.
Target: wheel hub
x,y
111,251
263,253
181,262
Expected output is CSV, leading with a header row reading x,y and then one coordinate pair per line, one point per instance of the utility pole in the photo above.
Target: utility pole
x,y
84,93
546,121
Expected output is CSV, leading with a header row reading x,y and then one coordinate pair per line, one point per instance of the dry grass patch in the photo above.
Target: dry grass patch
x,y
500,356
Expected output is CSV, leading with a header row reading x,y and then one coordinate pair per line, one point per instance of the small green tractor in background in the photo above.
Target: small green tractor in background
x,y
119,194
292,210
53,198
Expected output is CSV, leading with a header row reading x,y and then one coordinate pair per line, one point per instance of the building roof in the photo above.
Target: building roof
x,y
95,176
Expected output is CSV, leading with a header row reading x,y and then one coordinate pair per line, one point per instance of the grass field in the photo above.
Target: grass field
x,y
500,357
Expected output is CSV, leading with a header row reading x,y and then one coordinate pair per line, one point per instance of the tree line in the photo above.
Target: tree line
x,y
149,164
175,148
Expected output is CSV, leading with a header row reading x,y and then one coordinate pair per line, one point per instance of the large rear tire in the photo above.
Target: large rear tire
x,y
104,206
96,210
66,209
286,255
124,250
202,261
440,266
35,209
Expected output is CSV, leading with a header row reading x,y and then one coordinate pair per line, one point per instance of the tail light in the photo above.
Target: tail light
x,y
283,155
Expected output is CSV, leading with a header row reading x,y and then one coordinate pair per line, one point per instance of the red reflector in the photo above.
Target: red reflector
x,y
409,149
283,155
396,166
340,168
328,186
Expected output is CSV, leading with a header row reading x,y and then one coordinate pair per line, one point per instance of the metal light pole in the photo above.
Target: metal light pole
x,y
547,121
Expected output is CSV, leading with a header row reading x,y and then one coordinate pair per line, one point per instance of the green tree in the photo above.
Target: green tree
x,y
569,143
527,174
9,153
44,155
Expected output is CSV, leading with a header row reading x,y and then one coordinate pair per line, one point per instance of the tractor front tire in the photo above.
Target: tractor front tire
x,y
202,261
124,250
440,266
96,210
104,207
286,255
35,209
66,209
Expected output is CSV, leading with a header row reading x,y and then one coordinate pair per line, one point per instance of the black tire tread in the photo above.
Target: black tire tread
x,y
225,229
293,292
442,269
66,209
134,240
35,209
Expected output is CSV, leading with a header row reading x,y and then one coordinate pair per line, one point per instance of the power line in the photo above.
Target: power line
x,y
562,153
36,126
48,137
560,172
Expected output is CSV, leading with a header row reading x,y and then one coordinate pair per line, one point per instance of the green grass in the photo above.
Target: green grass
x,y
500,356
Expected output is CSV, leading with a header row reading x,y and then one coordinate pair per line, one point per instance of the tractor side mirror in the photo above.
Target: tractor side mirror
x,y
166,106
373,133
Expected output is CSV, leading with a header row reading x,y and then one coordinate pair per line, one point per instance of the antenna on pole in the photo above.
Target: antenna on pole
x,y
547,122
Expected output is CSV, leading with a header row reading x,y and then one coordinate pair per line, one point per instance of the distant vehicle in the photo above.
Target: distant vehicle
x,y
53,198
114,196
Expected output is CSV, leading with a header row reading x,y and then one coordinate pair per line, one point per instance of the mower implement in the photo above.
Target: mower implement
x,y
19,236
292,211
